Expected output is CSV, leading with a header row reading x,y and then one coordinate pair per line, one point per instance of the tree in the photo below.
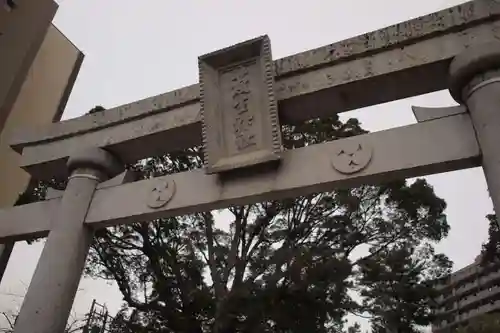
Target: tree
x,y
96,109
491,249
489,323
356,328
278,266
393,283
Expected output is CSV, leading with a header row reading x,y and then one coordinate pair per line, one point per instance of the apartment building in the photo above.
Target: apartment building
x,y
38,67
472,291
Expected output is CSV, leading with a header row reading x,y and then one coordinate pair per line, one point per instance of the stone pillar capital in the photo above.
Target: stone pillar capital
x,y
468,69
95,159
475,83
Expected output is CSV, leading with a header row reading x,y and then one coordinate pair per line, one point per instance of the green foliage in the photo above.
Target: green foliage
x,y
356,328
279,266
491,249
396,286
96,109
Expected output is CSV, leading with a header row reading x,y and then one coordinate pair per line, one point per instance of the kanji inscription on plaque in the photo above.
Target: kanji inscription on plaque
x,y
240,120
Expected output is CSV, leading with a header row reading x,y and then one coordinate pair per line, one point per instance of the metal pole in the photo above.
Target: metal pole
x,y
89,318
103,330
50,296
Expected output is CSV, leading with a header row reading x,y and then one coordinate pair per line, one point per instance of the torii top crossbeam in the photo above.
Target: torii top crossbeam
x,y
236,112
403,60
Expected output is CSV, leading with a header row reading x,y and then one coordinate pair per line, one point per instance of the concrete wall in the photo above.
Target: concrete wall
x,y
41,100
22,30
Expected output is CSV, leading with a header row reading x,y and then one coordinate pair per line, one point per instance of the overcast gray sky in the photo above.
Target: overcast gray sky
x,y
135,49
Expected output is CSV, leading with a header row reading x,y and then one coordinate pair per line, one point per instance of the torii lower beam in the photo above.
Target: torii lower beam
x,y
34,220
27,221
403,60
408,151
403,152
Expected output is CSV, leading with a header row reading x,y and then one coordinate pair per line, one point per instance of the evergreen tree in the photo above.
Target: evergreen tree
x,y
279,266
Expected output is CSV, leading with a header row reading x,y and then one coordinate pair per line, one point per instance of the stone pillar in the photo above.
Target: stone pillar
x,y
50,296
475,82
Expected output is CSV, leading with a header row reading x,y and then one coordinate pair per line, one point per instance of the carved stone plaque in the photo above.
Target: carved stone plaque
x,y
240,119
351,156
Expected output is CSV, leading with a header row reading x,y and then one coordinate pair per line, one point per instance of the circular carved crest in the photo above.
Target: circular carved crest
x,y
350,156
161,193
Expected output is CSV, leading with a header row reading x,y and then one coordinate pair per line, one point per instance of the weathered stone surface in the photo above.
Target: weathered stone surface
x,y
475,81
472,62
147,136
95,159
456,19
364,71
425,113
312,84
34,220
408,151
27,221
351,156
239,111
373,78
127,176
161,193
396,35
48,301
394,155
173,100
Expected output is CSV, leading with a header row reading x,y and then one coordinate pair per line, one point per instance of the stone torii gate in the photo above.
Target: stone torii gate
x,y
236,111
